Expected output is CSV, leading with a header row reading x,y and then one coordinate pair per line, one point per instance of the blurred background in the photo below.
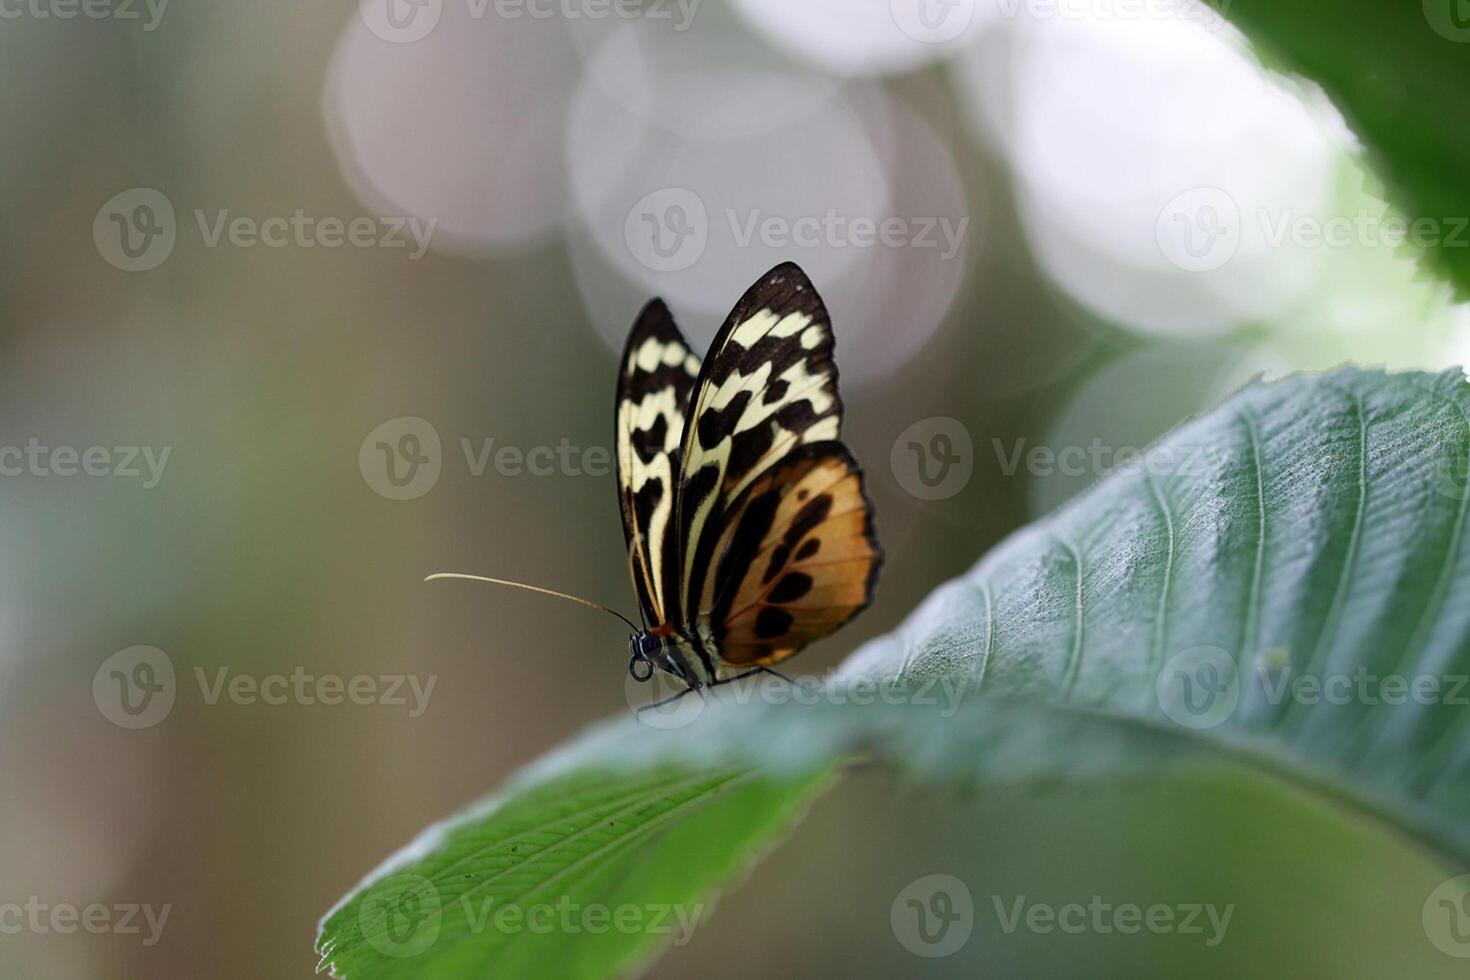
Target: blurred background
x,y
301,302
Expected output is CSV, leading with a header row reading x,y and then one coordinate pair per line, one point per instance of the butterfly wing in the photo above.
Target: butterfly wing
x,y
655,379
765,400
798,557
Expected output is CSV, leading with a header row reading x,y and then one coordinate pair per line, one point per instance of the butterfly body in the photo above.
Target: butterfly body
x,y
749,531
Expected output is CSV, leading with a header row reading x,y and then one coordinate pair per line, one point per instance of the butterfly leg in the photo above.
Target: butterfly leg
x,y
751,672
668,700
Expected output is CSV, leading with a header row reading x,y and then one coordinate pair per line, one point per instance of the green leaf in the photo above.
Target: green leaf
x,y
1308,528
1398,72
573,875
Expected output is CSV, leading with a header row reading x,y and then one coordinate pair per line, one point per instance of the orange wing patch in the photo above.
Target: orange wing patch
x,y
799,558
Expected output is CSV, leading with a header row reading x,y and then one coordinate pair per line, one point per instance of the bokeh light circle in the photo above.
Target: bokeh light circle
x,y
848,183
1156,164
462,126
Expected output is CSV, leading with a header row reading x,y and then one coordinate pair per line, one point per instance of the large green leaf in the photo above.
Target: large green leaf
x,y
1308,528
1398,72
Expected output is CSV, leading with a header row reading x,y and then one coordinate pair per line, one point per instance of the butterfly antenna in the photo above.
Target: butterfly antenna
x,y
532,588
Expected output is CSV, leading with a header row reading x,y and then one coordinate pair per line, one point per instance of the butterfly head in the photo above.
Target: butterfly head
x,y
650,652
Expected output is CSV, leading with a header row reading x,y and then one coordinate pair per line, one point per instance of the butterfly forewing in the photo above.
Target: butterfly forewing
x,y
768,386
655,381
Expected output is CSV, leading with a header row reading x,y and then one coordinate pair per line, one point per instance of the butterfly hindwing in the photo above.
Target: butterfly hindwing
x,y
767,387
798,557
656,378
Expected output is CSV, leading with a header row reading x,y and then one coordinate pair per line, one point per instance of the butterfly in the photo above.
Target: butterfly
x,y
749,532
